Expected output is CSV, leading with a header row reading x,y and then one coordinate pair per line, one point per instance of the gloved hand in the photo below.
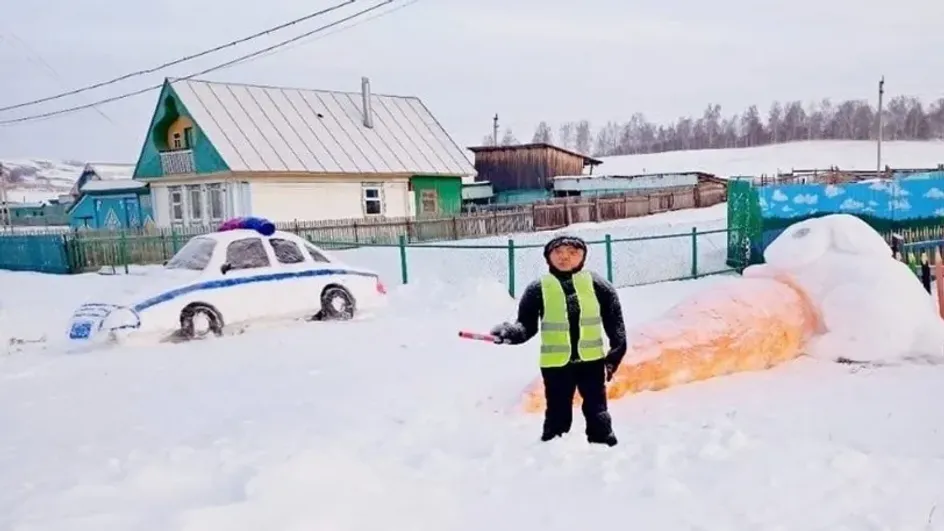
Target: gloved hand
x,y
610,369
503,333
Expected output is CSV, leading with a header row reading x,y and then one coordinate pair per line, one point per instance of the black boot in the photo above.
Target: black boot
x,y
609,440
600,429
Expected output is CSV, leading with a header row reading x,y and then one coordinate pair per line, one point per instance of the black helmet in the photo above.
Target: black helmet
x,y
565,239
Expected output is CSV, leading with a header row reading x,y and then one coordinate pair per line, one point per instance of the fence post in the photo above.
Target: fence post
x,y
511,267
608,244
694,252
403,268
123,246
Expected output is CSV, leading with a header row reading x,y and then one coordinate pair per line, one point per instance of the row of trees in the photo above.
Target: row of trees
x,y
904,118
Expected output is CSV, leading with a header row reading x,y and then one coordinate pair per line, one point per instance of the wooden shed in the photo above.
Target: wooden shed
x,y
527,166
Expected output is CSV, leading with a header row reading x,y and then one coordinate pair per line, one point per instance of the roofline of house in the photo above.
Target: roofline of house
x,y
588,160
173,80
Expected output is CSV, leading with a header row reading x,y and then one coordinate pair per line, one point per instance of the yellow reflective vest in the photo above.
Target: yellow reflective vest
x,y
555,329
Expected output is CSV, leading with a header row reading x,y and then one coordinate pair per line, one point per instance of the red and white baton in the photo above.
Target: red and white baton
x,y
478,337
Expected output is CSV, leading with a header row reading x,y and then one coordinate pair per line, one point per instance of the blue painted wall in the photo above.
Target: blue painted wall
x,y
907,199
112,211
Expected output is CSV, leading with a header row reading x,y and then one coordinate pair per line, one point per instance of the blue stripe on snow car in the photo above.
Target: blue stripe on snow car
x,y
229,282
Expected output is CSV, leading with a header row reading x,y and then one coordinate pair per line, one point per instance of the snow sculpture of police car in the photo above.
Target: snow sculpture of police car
x,y
244,272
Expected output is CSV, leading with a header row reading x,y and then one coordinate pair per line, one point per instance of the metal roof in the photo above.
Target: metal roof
x,y
587,160
272,129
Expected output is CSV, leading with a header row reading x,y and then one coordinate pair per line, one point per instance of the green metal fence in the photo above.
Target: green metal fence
x,y
623,261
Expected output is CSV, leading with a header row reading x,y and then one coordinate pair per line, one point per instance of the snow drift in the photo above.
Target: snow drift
x,y
829,288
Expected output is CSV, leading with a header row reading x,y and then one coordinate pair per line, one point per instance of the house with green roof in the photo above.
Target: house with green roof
x,y
218,150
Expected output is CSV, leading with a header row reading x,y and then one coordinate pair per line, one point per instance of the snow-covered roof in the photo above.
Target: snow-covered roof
x,y
265,129
117,184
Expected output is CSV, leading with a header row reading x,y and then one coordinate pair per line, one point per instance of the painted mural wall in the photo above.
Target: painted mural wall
x,y
912,202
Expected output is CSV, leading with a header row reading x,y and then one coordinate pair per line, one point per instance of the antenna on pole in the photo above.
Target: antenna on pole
x,y
878,135
495,130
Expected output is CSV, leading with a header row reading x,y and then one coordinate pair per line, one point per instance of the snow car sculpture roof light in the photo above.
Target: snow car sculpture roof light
x,y
245,272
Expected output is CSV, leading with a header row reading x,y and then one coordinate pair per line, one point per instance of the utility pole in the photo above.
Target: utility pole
x,y
881,123
495,130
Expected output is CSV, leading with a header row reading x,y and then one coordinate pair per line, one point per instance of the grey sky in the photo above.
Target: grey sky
x,y
527,60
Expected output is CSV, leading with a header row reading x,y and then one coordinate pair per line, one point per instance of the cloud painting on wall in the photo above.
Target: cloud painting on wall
x,y
895,200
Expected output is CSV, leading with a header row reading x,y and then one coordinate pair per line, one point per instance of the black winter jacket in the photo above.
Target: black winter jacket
x,y
531,310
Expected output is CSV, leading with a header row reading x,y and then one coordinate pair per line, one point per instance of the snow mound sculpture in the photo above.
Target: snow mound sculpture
x,y
830,288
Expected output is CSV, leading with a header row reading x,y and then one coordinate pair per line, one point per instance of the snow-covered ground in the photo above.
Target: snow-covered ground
x,y
818,154
392,422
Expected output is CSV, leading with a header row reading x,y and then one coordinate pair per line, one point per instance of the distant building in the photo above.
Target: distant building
x,y
589,185
218,150
525,173
112,204
105,197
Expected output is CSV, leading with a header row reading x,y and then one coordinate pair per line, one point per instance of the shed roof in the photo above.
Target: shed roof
x,y
536,145
272,129
112,185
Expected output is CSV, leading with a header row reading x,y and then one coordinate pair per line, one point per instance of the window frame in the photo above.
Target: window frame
x,y
171,190
201,196
208,191
424,196
379,200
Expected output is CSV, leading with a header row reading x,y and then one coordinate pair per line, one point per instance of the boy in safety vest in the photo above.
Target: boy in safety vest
x,y
572,309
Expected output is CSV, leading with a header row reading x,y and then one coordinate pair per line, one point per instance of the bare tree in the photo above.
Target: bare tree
x,y
583,137
905,118
542,134
565,135
508,139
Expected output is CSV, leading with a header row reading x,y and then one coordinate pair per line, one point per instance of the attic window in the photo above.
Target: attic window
x,y
178,144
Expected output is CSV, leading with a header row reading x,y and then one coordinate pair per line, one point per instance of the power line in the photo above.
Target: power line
x,y
178,61
339,30
48,67
239,59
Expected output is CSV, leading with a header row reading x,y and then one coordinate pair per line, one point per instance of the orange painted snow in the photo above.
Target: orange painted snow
x,y
747,324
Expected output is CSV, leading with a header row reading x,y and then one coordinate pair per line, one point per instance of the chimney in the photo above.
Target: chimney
x,y
365,100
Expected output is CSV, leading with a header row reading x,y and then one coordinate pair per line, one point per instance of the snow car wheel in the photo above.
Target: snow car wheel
x,y
198,321
337,304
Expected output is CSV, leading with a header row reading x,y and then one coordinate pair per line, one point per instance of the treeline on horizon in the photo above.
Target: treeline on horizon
x,y
905,118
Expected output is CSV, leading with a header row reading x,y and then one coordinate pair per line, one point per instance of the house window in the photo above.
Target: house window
x,y
248,253
195,200
176,204
373,200
177,141
286,252
215,205
429,200
188,138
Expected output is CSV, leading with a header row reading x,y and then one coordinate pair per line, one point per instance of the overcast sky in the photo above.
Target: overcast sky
x,y
527,60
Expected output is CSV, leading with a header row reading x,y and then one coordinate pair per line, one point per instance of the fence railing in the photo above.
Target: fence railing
x,y
64,250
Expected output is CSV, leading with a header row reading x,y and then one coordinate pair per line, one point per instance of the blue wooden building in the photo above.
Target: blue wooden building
x,y
115,204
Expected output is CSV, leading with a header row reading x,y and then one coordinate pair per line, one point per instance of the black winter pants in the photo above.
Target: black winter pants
x,y
560,383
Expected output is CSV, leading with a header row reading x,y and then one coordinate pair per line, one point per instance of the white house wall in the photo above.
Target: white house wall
x,y
160,204
323,200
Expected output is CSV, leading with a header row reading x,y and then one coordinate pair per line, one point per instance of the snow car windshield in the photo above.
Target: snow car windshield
x,y
195,255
